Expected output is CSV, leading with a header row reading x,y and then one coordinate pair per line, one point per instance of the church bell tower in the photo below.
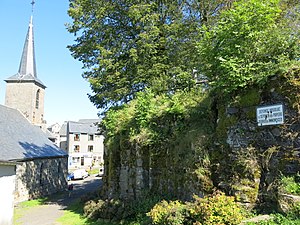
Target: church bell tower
x,y
24,91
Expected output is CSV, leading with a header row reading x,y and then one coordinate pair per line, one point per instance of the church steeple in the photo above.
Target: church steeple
x,y
27,69
24,91
27,63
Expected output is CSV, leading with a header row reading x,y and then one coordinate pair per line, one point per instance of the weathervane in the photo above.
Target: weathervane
x,y
32,3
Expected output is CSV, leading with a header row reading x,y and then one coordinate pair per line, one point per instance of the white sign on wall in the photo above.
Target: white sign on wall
x,y
270,115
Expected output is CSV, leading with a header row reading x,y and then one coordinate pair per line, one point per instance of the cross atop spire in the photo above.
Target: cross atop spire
x,y
32,5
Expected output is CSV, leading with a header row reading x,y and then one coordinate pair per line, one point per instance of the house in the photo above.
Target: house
x,y
30,164
54,133
84,143
63,137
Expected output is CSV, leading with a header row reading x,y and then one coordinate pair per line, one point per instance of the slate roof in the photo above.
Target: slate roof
x,y
20,140
21,78
82,127
63,130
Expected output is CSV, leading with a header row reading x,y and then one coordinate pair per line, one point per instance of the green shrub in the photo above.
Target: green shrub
x,y
211,210
118,210
216,209
289,185
168,213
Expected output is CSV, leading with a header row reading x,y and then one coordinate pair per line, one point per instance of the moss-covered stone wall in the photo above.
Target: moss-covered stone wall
x,y
251,158
206,144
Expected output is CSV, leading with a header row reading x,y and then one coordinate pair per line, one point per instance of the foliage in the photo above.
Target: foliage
x,y
127,46
142,116
289,185
216,209
74,215
165,127
120,210
210,210
171,213
251,42
278,219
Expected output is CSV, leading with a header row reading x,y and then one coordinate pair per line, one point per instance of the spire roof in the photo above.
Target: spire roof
x,y
27,69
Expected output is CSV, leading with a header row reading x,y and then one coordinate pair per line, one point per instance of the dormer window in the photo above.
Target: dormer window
x,y
37,99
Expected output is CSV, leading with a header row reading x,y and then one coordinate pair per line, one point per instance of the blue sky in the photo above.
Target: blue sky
x,y
66,93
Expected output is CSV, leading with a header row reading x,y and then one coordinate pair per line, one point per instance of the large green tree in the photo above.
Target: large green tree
x,y
127,46
252,41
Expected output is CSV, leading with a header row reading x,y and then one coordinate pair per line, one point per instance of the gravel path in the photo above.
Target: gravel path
x,y
48,213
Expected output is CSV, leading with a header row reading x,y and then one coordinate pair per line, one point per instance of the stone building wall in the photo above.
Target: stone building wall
x,y
22,96
40,177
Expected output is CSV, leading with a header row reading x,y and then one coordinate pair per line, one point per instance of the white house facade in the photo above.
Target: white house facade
x,y
83,142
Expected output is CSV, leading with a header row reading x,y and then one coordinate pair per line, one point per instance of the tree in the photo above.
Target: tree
x,y
127,46
251,42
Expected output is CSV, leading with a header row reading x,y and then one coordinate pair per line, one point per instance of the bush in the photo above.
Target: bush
x,y
168,213
216,209
211,210
117,210
289,185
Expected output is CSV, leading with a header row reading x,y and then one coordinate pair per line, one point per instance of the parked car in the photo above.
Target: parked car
x,y
70,176
101,172
80,174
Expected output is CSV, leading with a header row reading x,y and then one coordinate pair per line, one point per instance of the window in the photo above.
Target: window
x,y
91,137
90,148
77,137
37,99
59,167
41,173
75,159
76,148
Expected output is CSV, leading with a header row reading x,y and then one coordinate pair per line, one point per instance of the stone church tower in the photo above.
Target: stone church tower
x,y
24,91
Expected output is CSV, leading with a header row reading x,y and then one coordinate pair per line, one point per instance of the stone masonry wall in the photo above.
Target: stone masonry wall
x,y
22,96
40,177
254,157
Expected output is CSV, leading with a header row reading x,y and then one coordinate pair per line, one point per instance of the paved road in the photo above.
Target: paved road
x,y
48,213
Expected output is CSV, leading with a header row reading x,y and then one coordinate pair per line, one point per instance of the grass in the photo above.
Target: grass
x,y
74,215
23,206
93,171
278,219
33,203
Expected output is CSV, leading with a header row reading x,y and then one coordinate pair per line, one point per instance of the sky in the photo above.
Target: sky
x,y
66,93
